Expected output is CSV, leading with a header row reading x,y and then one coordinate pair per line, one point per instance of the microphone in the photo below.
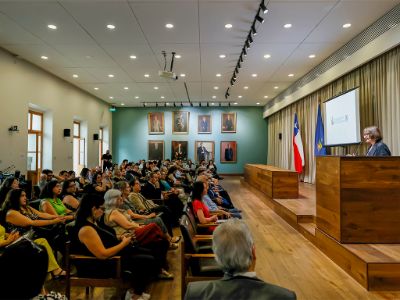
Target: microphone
x,y
358,148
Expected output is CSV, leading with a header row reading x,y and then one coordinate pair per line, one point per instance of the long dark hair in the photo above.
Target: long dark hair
x,y
84,173
198,188
65,186
85,208
6,187
47,192
12,200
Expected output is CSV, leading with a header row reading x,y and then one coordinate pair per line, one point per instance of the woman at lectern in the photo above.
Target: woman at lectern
x,y
372,136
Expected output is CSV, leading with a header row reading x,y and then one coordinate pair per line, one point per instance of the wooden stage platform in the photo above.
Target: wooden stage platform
x,y
375,266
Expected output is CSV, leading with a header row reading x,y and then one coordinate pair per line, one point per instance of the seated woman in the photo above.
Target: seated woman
x,y
125,190
101,183
51,203
20,217
68,195
148,236
166,187
10,183
103,243
84,178
199,209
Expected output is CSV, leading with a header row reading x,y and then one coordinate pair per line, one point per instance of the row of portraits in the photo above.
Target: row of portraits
x,y
204,150
180,123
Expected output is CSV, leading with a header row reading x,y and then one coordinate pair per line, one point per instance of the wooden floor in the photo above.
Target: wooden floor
x,y
284,256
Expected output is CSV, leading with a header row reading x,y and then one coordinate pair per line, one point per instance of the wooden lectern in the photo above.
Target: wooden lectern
x,y
358,198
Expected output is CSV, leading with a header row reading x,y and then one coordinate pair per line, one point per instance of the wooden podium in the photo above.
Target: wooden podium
x,y
358,198
272,181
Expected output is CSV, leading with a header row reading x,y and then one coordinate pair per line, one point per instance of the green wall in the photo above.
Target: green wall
x,y
130,134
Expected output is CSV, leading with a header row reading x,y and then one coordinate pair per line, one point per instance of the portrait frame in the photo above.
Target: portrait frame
x,y
228,156
155,150
180,122
228,122
156,123
204,124
209,153
181,153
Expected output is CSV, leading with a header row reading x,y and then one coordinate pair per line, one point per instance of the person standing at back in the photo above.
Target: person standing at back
x,y
235,252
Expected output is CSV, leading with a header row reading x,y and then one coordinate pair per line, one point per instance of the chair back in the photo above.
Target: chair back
x,y
188,211
188,234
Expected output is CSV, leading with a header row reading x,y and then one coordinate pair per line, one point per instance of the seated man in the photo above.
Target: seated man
x,y
234,250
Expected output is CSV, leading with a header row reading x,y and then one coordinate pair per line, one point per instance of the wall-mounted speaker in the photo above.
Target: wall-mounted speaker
x,y
67,132
280,135
95,137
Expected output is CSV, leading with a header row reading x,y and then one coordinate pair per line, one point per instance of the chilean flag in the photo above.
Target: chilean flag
x,y
297,147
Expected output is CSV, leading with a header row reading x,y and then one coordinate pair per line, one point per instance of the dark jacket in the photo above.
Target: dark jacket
x,y
237,287
379,149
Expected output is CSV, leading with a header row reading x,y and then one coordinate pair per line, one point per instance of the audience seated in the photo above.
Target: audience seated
x,y
101,183
68,195
10,183
147,236
84,179
199,208
235,252
102,242
52,204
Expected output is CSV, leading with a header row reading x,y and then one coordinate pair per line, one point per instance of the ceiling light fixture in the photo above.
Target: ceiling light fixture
x,y
147,75
44,57
259,19
250,39
253,29
254,75
235,103
122,104
276,87
288,25
111,26
96,88
111,97
246,87
111,75
228,26
132,57
258,103
347,25
291,75
247,44
214,97
240,96
222,56
75,75
311,56
178,56
182,75
52,26
264,9
216,88
266,56
169,25
265,97
244,52
162,97
218,75
126,88
136,97
156,87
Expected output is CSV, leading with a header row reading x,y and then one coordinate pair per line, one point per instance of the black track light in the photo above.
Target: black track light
x,y
229,104
253,29
244,52
247,44
260,19
237,69
241,58
156,104
199,104
174,104
208,105
264,9
165,104
144,104
250,39
220,104
191,104
181,104
232,82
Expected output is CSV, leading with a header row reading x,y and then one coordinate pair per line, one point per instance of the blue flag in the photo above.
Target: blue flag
x,y
319,135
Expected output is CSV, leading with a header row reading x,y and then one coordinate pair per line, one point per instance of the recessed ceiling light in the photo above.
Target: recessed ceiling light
x,y
136,97
288,25
147,75
240,96
218,75
235,103
246,87
254,75
111,75
291,75
311,56
52,26
169,25
182,75
212,103
156,88
222,56
96,88
167,103
214,97
111,26
216,88
44,57
126,88
267,56
162,97
178,56
228,26
276,87
122,104
347,25
75,75
258,103
265,97
132,57
111,97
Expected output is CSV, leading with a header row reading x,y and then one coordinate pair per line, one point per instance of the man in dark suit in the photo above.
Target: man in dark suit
x,y
228,153
202,152
235,252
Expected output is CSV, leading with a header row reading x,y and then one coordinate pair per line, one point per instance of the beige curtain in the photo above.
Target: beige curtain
x,y
379,83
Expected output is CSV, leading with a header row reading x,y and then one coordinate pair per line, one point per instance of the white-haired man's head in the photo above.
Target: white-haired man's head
x,y
233,247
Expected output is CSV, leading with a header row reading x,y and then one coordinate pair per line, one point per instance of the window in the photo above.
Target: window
x,y
78,148
35,145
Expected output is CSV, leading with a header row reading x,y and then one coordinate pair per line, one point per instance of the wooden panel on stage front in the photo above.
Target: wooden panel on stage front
x,y
272,181
358,198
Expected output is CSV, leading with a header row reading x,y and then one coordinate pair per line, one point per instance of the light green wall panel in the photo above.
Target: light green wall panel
x,y
130,134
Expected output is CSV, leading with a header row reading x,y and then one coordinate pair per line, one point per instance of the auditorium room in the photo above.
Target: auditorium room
x,y
199,149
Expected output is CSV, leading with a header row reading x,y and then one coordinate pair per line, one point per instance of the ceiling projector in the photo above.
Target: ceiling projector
x,y
168,75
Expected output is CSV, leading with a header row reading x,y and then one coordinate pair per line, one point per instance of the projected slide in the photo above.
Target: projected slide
x,y
342,122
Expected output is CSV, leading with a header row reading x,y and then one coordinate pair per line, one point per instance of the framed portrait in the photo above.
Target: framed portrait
x,y
180,122
228,152
156,150
228,122
179,149
204,124
155,122
204,150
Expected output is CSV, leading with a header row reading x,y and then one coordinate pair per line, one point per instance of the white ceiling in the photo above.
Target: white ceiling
x,y
83,45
